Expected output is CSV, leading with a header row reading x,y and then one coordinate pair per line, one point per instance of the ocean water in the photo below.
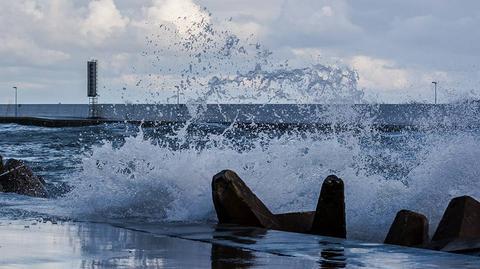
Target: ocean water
x,y
121,172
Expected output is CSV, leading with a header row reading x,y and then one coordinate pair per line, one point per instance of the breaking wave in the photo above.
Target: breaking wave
x,y
168,178
383,173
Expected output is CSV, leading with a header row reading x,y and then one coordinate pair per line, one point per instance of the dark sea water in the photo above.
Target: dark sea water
x,y
162,174
157,180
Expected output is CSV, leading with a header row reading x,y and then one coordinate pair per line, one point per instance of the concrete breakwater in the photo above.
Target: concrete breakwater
x,y
450,115
457,232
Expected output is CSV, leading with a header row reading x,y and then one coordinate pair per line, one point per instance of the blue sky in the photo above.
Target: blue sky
x,y
397,47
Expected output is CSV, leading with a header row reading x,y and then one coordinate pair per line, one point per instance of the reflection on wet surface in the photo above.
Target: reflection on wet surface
x,y
33,244
86,245
333,258
322,252
227,257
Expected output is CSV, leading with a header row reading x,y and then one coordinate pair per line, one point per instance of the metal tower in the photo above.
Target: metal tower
x,y
92,88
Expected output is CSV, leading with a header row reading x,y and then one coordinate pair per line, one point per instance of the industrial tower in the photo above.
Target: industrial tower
x,y
92,88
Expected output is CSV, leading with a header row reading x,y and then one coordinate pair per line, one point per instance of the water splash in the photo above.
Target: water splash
x,y
383,173
215,65
168,178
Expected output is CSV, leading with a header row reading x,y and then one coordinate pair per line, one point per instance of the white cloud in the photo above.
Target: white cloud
x,y
379,73
327,11
245,30
104,19
19,49
119,61
315,17
316,55
32,9
181,13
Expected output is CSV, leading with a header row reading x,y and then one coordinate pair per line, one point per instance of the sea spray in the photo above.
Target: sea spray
x,y
214,65
156,183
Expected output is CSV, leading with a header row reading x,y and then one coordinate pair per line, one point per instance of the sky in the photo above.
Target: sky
x,y
397,48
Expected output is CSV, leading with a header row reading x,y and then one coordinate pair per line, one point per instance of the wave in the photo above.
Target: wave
x,y
383,173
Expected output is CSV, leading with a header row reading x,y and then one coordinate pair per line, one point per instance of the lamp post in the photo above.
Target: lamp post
x,y
435,83
178,95
16,104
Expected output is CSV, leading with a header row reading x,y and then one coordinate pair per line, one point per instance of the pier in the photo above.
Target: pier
x,y
382,115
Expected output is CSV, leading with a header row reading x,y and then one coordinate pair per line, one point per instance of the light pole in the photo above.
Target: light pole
x,y
16,104
435,83
178,95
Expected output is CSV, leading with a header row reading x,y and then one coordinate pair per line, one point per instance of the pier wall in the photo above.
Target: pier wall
x,y
384,114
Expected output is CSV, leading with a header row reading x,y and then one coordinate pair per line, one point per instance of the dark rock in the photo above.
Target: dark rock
x,y
461,220
329,217
297,222
409,229
235,203
19,178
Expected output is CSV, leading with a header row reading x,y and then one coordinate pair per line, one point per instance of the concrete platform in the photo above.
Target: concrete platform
x,y
43,244
39,245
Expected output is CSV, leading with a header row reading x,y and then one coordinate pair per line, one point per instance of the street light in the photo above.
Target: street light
x,y
435,83
178,95
16,106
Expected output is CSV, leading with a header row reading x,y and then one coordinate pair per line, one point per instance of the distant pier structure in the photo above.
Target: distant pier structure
x,y
92,72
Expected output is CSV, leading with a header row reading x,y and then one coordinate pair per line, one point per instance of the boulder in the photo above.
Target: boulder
x,y
329,217
461,221
296,222
409,229
19,178
235,203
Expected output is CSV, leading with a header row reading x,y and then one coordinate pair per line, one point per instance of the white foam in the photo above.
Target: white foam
x,y
144,180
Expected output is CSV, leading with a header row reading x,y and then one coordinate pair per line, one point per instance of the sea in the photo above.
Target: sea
x,y
158,180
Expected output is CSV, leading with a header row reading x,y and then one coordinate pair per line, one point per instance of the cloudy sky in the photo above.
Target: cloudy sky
x,y
397,47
